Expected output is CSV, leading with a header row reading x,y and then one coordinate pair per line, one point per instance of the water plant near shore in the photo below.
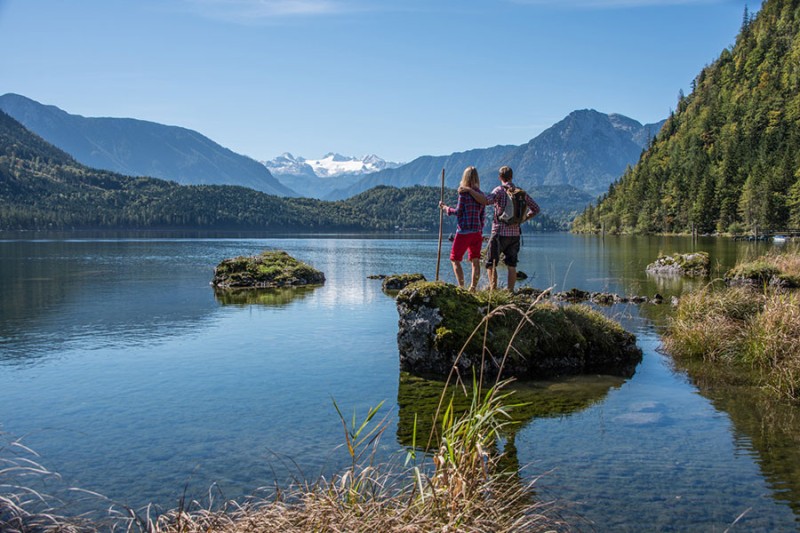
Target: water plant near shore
x,y
460,487
753,325
777,268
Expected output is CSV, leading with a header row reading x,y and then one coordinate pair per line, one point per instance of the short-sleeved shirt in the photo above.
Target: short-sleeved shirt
x,y
499,199
471,215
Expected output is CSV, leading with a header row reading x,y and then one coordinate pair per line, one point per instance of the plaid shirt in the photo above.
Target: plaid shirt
x,y
499,198
471,214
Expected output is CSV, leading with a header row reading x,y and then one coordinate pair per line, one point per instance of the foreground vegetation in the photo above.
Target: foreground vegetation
x,y
755,325
460,484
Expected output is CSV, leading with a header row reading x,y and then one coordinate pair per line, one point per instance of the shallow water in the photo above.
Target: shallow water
x,y
127,374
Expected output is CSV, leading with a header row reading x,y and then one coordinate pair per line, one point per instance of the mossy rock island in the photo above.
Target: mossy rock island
x,y
270,269
436,319
767,271
692,264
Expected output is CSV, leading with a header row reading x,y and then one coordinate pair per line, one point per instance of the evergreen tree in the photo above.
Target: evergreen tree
x,y
729,156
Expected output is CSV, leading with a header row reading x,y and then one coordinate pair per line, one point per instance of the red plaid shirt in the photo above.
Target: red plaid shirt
x,y
499,199
471,214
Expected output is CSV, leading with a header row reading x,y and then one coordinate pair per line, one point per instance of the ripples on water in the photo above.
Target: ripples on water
x,y
132,378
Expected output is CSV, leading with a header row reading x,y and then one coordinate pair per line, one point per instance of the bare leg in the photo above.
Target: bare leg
x,y
491,271
512,278
476,274
459,272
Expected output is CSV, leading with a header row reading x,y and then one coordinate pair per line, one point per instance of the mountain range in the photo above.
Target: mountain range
x,y
140,148
331,165
587,150
580,156
44,188
317,178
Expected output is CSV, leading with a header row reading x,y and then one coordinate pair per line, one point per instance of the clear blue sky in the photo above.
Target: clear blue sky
x,y
398,78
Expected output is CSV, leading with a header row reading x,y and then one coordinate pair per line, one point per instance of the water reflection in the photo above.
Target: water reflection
x,y
141,372
419,397
766,428
57,295
618,263
675,284
277,297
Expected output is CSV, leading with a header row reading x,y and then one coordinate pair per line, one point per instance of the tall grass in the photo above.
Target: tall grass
x,y
773,343
712,323
778,267
460,486
757,326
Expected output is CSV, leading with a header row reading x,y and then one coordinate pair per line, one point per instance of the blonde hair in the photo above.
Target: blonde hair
x,y
470,178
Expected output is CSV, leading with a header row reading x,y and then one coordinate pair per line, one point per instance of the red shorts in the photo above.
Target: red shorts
x,y
464,242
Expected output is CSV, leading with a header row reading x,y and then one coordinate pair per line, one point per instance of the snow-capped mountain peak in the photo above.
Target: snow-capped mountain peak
x,y
329,166
287,164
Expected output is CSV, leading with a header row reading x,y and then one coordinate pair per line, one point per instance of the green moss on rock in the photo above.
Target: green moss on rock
x,y
437,319
691,264
396,282
760,273
776,269
271,268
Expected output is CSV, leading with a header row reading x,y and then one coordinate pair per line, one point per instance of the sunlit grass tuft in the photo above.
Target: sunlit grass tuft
x,y
759,327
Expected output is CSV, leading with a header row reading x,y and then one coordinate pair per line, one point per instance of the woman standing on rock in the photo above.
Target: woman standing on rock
x,y
469,231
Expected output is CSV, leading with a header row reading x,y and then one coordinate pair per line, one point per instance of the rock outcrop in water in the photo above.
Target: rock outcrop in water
x,y
396,282
436,320
692,264
271,268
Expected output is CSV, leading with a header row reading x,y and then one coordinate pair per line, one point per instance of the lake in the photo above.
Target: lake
x,y
129,377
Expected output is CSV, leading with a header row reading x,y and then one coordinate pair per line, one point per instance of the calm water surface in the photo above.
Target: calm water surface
x,y
129,377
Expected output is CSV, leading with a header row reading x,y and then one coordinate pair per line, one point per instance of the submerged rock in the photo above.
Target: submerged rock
x,y
692,264
437,319
272,268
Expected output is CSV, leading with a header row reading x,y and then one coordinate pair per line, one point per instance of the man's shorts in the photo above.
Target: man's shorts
x,y
464,242
508,247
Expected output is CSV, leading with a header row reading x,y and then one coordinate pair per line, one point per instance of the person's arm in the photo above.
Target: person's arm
x,y
449,210
460,206
533,207
480,198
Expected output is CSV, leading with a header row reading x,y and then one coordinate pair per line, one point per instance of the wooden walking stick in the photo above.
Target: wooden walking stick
x,y
441,220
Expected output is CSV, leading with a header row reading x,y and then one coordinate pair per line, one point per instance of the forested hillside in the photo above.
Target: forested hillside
x,y
141,148
728,158
42,187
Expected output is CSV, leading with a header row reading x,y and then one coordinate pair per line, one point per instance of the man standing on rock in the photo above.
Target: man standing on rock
x,y
505,239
